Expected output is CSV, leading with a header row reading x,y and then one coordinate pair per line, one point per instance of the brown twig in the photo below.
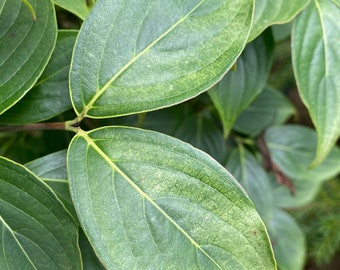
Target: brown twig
x,y
269,165
36,126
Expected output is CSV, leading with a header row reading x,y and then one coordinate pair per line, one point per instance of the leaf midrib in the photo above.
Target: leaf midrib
x,y
134,59
114,167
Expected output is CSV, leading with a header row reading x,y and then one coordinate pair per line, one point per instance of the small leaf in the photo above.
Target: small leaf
x,y
270,108
131,56
202,133
77,7
288,241
50,95
292,149
52,170
268,12
149,201
239,88
36,231
315,52
250,174
25,47
304,193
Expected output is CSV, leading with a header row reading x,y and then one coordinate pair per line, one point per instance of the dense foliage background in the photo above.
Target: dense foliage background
x,y
254,84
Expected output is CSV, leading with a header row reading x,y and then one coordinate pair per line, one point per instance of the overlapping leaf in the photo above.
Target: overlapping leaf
x,y
316,57
50,95
239,88
292,149
250,174
134,56
36,231
52,170
25,47
77,7
288,241
270,108
268,12
149,201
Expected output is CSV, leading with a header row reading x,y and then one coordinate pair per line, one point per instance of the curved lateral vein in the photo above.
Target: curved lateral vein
x,y
91,143
16,240
107,85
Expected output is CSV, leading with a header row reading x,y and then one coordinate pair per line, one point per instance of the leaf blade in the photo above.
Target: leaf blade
x,y
29,209
25,47
274,12
315,55
154,66
148,209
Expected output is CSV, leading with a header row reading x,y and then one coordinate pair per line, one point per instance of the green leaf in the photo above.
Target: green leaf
x,y
270,108
52,170
268,12
149,201
77,7
288,241
90,260
200,131
25,47
315,52
131,55
337,2
304,193
239,88
292,149
250,174
50,95
36,231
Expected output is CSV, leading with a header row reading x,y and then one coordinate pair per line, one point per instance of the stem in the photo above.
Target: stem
x,y
37,126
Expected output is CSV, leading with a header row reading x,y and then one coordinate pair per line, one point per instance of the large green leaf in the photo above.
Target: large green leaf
x,y
239,88
77,7
269,108
250,174
25,47
133,56
50,95
36,231
316,57
288,241
149,201
268,12
292,149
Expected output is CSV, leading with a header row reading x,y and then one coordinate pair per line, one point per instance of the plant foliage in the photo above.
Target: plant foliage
x,y
150,139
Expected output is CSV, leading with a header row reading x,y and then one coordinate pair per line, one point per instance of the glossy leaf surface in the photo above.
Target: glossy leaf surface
x,y
316,57
50,95
28,211
288,241
268,12
77,7
25,47
292,149
147,201
239,88
131,55
269,108
250,174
